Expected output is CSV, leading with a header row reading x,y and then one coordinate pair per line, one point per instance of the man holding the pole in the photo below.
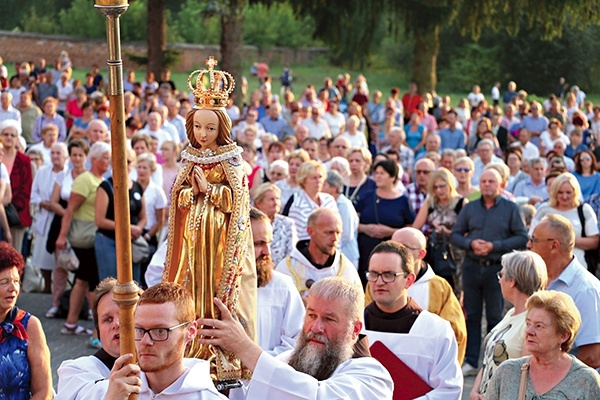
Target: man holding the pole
x,y
164,324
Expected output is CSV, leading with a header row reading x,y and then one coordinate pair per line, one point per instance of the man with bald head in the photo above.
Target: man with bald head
x,y
486,229
417,191
318,257
432,292
339,147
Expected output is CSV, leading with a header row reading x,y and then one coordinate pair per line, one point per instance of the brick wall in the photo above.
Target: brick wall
x,y
85,52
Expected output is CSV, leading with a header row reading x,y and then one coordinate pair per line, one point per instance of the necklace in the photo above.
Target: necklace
x,y
230,152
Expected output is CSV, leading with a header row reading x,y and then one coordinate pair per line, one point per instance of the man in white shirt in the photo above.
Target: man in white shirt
x,y
320,367
475,97
317,126
528,149
280,308
7,111
422,340
153,128
164,323
175,119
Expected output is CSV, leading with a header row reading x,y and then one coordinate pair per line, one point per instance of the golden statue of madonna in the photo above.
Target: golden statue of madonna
x,y
210,239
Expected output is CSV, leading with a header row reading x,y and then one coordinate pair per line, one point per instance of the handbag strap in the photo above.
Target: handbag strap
x,y
581,219
523,382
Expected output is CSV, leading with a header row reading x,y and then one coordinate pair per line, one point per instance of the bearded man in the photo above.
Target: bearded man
x,y
320,366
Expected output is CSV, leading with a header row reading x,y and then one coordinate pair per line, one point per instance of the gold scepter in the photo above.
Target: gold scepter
x,y
125,293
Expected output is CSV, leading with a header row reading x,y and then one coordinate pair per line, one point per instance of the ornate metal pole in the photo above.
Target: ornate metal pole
x,y
125,293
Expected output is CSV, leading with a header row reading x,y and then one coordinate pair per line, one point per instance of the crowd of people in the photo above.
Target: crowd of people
x,y
397,217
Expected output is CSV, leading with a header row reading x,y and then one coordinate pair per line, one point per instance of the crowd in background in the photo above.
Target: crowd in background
x,y
383,161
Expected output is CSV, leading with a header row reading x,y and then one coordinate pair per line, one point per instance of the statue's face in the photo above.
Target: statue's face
x,y
206,129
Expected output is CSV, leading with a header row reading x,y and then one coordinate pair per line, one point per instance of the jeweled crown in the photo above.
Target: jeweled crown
x,y
216,94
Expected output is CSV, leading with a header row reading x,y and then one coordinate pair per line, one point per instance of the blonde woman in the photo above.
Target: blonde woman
x,y
565,199
358,183
440,211
290,186
310,177
463,171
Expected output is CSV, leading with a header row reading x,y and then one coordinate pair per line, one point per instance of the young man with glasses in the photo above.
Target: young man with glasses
x,y
164,323
422,340
432,292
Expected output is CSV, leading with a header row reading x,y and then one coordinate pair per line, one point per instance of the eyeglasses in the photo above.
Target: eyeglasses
x,y
462,169
341,147
422,171
533,239
155,334
586,159
499,274
386,277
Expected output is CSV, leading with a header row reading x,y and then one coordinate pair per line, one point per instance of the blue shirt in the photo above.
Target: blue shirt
x,y
526,188
274,125
452,139
42,121
501,224
584,288
589,184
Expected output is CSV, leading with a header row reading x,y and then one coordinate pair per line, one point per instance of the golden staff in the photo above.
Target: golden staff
x,y
125,293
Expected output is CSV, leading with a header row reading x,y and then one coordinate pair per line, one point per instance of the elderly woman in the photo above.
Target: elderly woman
x,y
290,185
19,169
43,184
25,367
50,116
278,170
523,273
463,171
358,183
440,211
268,200
552,322
79,225
310,177
565,199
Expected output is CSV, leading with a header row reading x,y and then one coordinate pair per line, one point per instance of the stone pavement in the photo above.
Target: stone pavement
x,y
64,347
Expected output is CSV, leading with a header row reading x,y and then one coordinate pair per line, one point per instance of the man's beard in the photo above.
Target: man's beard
x,y
264,270
172,356
318,362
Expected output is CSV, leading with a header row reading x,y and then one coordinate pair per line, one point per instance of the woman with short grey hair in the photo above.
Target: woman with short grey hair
x,y
523,273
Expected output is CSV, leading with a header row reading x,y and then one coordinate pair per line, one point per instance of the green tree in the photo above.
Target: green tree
x,y
422,20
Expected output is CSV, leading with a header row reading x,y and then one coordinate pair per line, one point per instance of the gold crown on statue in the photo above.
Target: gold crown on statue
x,y
220,85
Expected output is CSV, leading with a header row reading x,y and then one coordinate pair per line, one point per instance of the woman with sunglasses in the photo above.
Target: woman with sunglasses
x,y
586,172
463,171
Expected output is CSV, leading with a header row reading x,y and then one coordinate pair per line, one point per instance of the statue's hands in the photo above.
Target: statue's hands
x,y
199,183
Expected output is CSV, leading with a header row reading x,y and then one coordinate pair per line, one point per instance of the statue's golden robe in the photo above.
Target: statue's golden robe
x,y
210,248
